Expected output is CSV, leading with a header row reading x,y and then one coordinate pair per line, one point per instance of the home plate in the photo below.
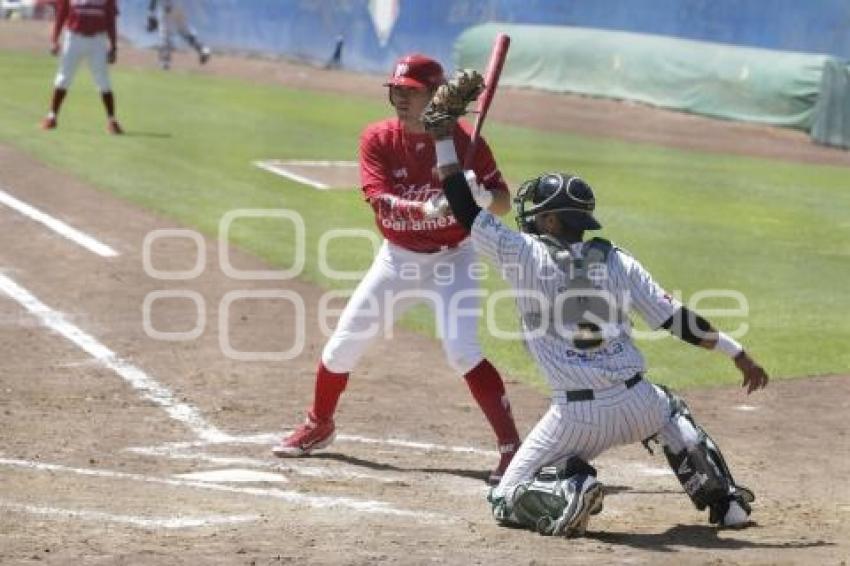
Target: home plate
x,y
233,475
746,408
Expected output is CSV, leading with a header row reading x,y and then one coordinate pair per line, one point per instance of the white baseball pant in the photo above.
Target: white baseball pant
x,y
398,280
75,48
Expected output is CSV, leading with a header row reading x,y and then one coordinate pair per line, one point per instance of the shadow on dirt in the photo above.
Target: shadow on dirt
x,y
471,474
694,536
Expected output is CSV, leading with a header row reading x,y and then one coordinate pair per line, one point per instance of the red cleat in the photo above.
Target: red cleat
x,y
114,128
48,123
312,435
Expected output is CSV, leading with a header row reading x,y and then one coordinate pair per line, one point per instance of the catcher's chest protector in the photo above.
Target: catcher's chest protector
x,y
584,306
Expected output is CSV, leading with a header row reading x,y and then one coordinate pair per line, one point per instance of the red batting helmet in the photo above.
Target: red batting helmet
x,y
417,71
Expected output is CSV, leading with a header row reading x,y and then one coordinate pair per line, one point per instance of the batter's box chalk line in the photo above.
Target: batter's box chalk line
x,y
272,438
287,496
287,466
181,522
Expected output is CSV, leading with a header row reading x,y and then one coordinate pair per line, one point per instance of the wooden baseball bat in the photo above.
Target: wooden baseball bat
x,y
491,81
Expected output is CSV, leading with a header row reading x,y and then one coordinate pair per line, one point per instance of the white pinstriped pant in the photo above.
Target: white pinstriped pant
x,y
616,416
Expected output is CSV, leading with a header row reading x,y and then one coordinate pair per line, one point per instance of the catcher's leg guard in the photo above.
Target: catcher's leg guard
x,y
699,465
557,502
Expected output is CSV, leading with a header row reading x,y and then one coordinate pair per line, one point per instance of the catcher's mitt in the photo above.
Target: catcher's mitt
x,y
450,101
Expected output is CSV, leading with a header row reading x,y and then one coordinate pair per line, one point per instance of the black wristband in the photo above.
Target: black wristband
x,y
689,326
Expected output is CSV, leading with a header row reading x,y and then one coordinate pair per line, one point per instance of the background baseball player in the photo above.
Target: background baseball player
x,y
170,18
425,257
90,34
574,297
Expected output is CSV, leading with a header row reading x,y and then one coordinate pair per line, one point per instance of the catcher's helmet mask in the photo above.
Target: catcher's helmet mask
x,y
567,195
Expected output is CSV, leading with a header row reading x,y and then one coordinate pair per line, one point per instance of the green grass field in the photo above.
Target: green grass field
x,y
779,233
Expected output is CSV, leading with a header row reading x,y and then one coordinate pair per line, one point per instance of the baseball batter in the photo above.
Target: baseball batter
x,y
90,34
426,257
574,297
170,18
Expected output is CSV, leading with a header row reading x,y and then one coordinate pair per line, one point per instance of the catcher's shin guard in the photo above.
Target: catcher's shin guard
x,y
702,470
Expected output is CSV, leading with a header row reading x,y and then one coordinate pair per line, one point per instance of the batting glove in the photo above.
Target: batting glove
x,y
482,196
436,207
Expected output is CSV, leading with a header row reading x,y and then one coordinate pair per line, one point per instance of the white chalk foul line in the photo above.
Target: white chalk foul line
x,y
424,446
134,376
282,171
97,516
57,226
233,475
273,438
294,497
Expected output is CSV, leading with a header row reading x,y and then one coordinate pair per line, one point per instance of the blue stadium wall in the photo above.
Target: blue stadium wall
x,y
307,29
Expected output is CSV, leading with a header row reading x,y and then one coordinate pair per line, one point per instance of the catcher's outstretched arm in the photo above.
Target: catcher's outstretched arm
x,y
694,329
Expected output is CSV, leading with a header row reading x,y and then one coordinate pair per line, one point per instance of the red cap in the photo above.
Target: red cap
x,y
417,71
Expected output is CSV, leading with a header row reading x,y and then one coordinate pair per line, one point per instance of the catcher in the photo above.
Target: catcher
x,y
575,297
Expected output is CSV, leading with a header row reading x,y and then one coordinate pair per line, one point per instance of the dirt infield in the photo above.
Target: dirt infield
x,y
99,422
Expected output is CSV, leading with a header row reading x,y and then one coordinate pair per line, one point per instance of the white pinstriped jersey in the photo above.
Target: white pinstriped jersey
x,y
527,264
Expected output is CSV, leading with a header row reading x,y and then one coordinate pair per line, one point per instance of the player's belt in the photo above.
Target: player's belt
x,y
587,394
440,249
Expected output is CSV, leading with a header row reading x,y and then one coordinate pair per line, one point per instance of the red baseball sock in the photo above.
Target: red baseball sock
x,y
56,101
487,387
329,387
108,103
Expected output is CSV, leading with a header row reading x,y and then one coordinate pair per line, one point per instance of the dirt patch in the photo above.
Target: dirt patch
x,y
552,112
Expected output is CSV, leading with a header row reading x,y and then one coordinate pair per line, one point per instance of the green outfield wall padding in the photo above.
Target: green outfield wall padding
x,y
832,111
726,81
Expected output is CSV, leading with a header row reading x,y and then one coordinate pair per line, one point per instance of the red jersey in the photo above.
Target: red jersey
x,y
397,164
86,17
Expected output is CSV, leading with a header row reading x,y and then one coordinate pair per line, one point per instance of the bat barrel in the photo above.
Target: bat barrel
x,y
491,80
